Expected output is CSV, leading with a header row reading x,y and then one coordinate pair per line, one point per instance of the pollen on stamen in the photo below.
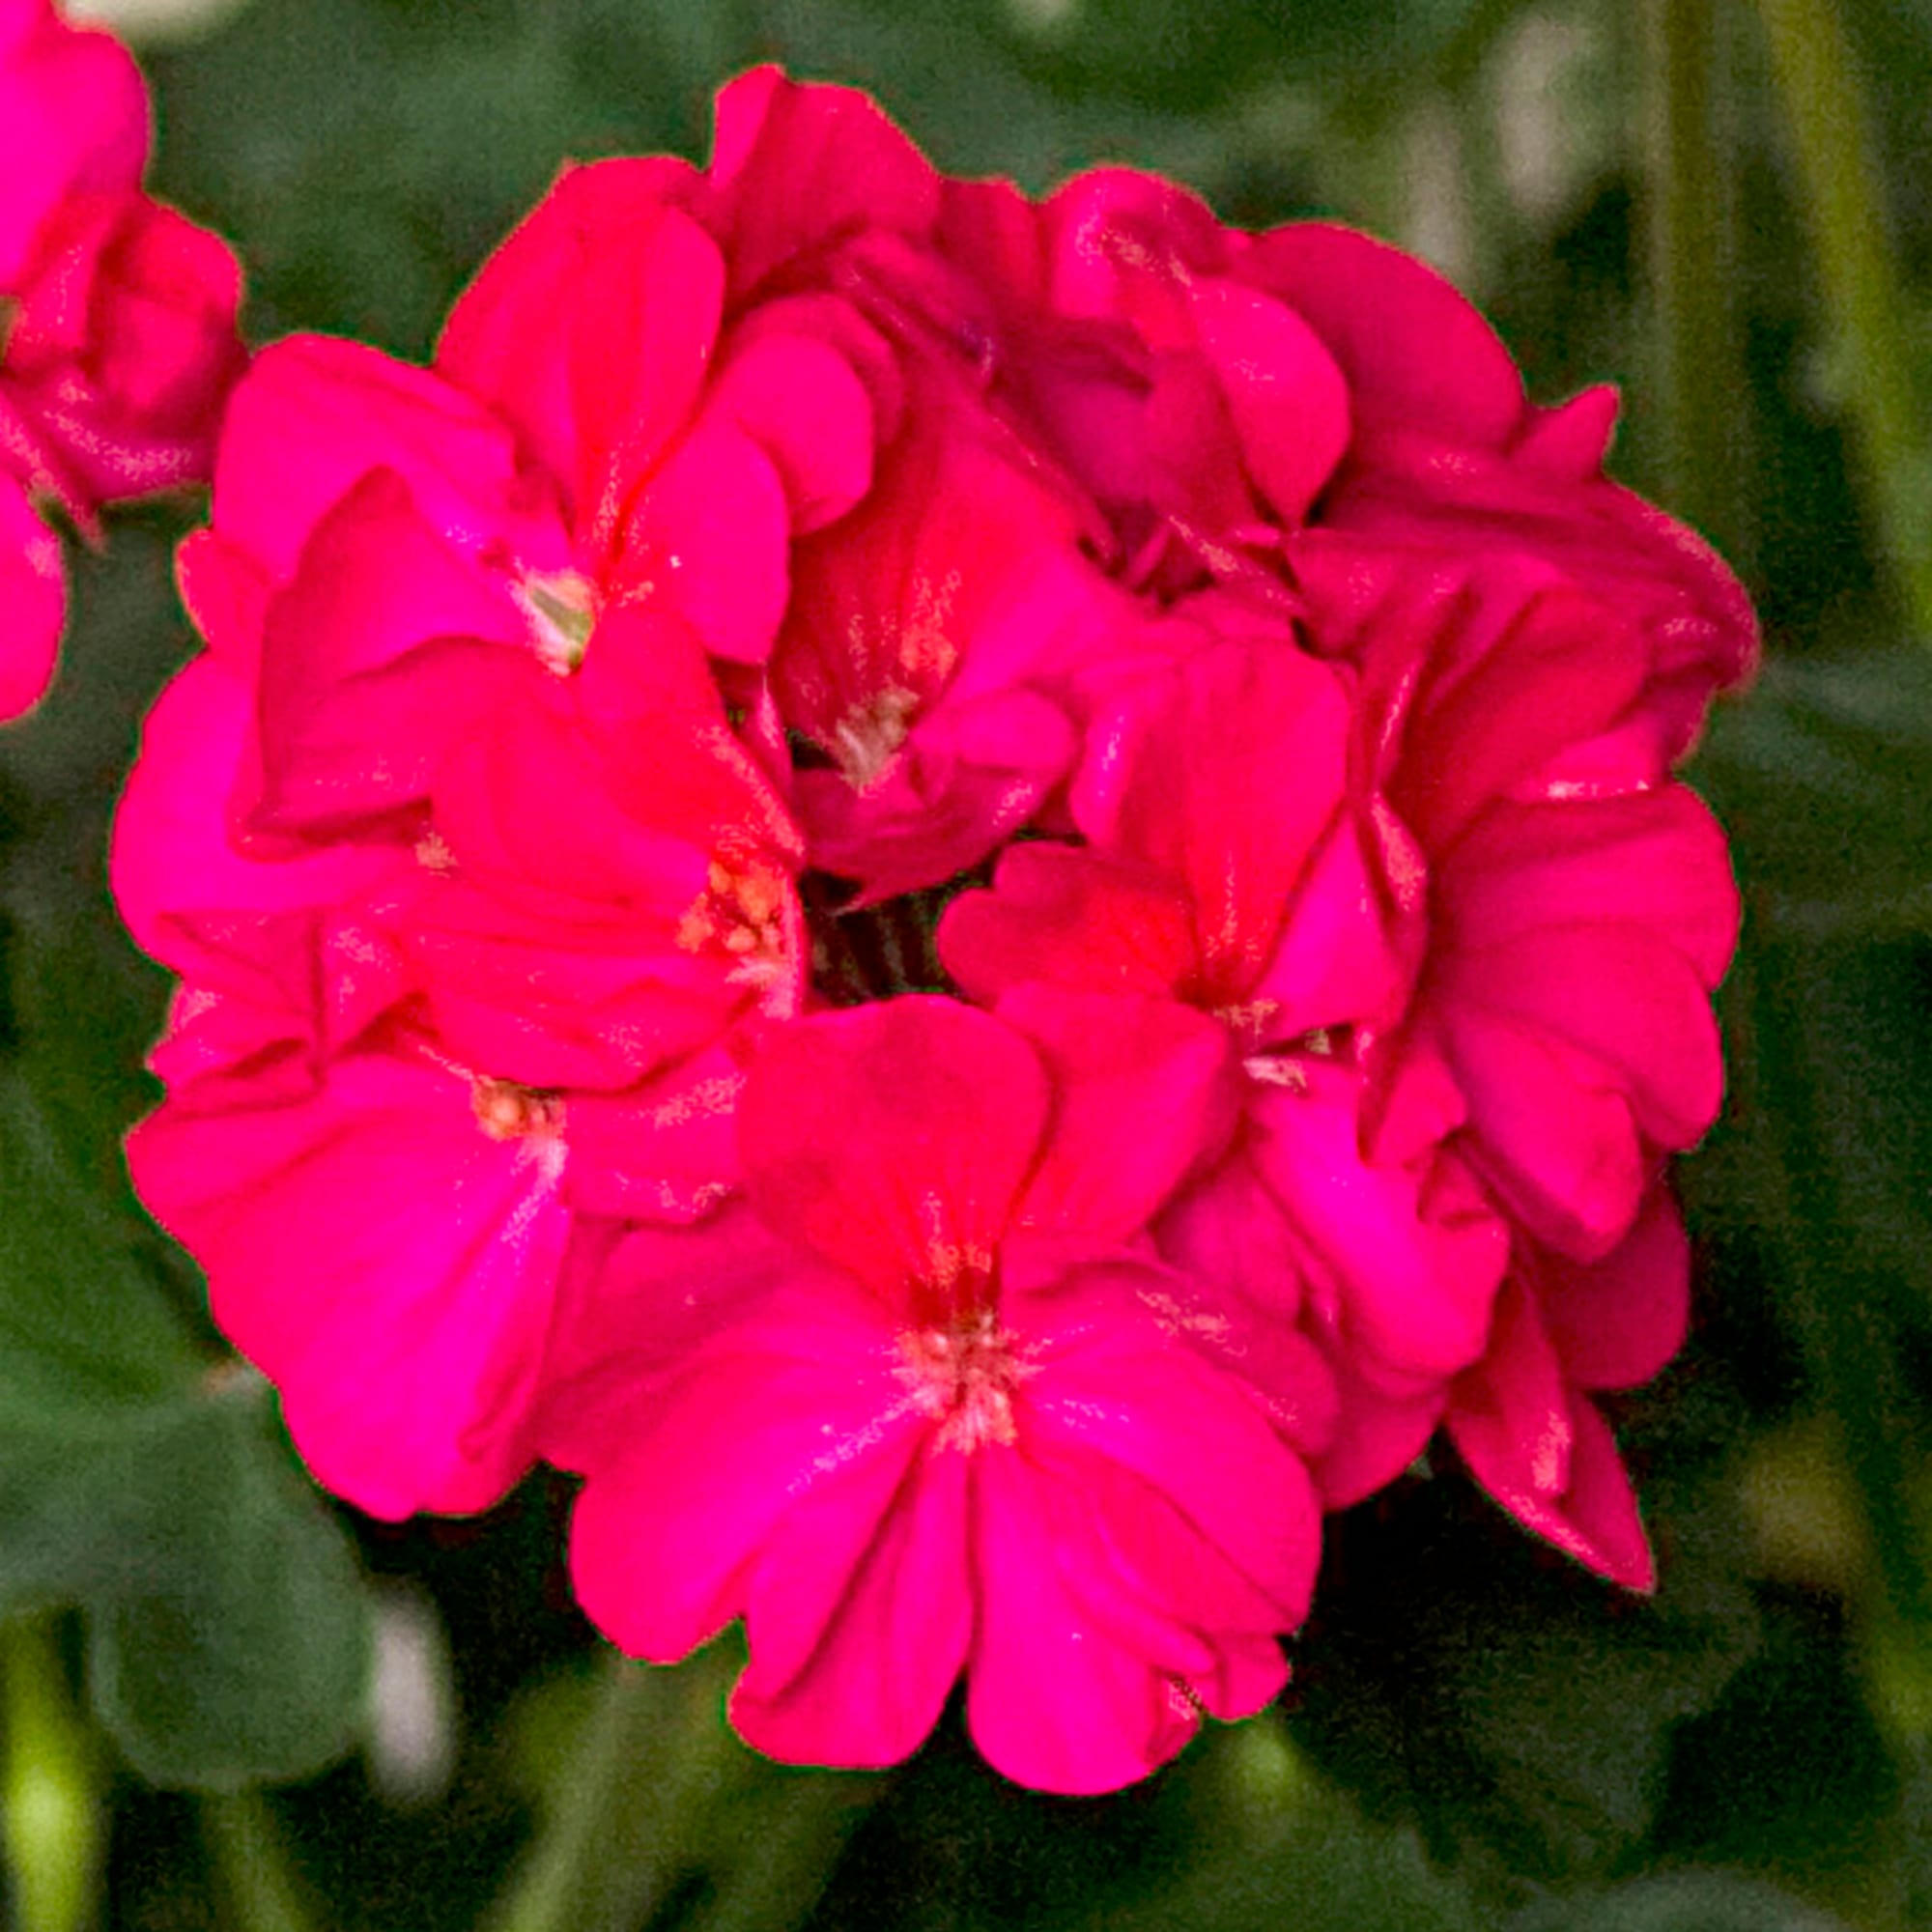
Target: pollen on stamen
x,y
507,1111
433,853
741,914
869,737
561,606
963,1375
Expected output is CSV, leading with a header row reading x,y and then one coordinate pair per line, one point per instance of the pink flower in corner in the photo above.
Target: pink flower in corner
x,y
920,1410
118,341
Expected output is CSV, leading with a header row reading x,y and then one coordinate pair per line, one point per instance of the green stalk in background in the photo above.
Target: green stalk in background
x,y
1703,416
1840,183
54,1824
260,1892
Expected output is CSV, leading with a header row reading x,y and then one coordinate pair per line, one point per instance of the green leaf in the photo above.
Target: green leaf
x,y
1267,1828
1688,1901
1824,776
144,1482
252,1663
1520,1712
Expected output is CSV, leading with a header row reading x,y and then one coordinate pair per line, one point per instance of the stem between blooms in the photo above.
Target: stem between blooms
x,y
56,1823
252,1864
619,1834
801,1833
1690,234
1840,183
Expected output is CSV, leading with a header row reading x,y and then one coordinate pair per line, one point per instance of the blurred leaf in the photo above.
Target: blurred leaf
x,y
1520,1712
84,1336
1197,52
1691,1901
1824,776
1269,1828
143,1483
253,1662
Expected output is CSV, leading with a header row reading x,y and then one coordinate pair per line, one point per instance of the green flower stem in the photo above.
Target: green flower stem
x,y
1700,378
1839,183
622,1829
55,1824
261,1892
801,1831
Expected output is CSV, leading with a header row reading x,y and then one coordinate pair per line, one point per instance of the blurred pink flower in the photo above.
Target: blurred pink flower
x,y
118,340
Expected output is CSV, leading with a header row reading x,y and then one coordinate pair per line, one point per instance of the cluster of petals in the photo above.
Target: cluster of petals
x,y
117,321
976,899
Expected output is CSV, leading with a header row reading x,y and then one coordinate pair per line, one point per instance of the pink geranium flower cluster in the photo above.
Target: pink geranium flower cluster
x,y
976,898
117,321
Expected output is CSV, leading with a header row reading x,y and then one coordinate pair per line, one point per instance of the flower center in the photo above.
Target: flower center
x,y
509,1111
869,735
561,606
741,914
963,1375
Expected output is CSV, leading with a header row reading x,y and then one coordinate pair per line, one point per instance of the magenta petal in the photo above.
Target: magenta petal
x,y
1615,1323
1224,775
893,1139
708,542
677,1509
1227,1227
371,666
1146,1089
665,1151
33,594
1414,350
1409,1258
1113,1385
642,320
798,398
1552,1132
1289,401
503,343
1062,915
1595,1520
1340,960
795,166
1052,1700
1512,1413
1627,999
860,1613
385,1261
640,1303
313,414
1656,860
1148,1578
1380,1435
73,120
172,857
972,774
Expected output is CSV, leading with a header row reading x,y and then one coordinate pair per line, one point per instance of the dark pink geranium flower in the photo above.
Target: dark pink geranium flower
x,y
919,1412
1580,904
1231,867
920,656
384,1247
1449,459
117,341
1202,414
1284,710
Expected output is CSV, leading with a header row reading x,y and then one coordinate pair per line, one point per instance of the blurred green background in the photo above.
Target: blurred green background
x,y
1727,208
